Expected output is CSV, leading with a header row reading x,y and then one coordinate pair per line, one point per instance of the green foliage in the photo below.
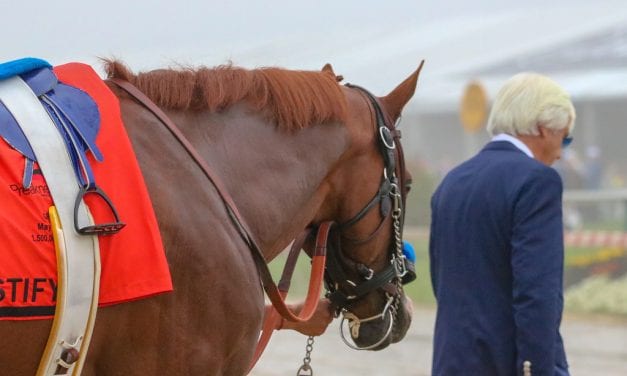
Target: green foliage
x,y
421,293
419,290
598,294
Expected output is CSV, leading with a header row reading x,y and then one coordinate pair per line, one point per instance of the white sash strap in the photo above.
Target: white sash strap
x,y
74,314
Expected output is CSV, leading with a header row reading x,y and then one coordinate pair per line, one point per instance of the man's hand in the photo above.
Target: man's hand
x,y
318,323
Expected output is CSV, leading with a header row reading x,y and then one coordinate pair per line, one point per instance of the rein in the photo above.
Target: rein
x,y
391,201
315,281
274,293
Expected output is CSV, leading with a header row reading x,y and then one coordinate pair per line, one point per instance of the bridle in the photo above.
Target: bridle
x,y
390,197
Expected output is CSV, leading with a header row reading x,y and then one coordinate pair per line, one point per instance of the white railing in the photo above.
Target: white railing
x,y
598,195
603,210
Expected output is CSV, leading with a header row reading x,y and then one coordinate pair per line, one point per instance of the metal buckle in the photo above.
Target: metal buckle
x,y
411,272
396,198
386,137
398,263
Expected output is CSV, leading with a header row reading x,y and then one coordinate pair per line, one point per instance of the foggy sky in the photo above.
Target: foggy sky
x,y
373,43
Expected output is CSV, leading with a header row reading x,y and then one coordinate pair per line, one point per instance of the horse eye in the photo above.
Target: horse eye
x,y
408,185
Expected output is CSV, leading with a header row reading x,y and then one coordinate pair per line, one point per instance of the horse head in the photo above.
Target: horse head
x,y
330,152
366,267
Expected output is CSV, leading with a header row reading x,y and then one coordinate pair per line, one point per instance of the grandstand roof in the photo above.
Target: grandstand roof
x,y
583,47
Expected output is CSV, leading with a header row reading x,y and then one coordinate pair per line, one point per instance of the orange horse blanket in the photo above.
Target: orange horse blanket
x,y
133,261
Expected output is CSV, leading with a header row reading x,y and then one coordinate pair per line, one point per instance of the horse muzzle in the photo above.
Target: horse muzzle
x,y
379,331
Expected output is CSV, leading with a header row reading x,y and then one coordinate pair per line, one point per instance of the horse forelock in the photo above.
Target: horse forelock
x,y
292,99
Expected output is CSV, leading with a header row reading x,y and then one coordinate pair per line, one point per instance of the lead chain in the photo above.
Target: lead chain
x,y
305,369
396,223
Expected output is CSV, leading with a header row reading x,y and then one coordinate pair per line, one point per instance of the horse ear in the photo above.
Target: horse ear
x,y
328,69
398,98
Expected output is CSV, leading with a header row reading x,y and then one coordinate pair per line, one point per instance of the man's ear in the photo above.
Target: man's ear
x,y
543,131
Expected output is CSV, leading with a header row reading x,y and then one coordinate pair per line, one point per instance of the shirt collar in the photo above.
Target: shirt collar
x,y
514,141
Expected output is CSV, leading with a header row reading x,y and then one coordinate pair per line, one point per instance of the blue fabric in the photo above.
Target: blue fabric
x,y
75,114
497,255
408,251
19,66
40,81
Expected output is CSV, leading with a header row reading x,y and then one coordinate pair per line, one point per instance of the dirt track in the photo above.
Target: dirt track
x,y
594,345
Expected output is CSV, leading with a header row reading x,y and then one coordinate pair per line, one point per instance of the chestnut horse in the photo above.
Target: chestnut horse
x,y
293,149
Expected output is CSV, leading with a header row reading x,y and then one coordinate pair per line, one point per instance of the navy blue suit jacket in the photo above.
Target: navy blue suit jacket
x,y
497,256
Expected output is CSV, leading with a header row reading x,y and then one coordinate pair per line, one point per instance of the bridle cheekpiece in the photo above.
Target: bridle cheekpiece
x,y
400,270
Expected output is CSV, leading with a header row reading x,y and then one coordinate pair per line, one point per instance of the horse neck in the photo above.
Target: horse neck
x,y
275,177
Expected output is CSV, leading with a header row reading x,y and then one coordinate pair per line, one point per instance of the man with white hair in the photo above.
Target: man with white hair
x,y
496,247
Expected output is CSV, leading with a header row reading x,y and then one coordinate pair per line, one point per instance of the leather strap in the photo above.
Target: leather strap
x,y
273,320
269,286
388,141
75,310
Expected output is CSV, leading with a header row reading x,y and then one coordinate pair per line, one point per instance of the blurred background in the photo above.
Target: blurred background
x,y
470,48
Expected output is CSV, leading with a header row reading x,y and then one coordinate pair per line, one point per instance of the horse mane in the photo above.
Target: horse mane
x,y
292,99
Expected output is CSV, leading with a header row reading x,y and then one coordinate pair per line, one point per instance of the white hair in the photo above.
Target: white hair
x,y
528,100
